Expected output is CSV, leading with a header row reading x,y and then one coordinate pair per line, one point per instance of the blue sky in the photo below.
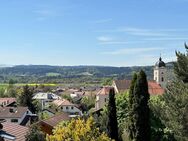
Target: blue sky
x,y
92,32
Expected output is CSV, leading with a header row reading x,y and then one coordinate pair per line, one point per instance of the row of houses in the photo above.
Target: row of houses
x,y
19,117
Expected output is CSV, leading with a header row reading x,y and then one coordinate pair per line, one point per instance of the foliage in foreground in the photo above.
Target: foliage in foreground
x,y
112,125
140,129
34,134
181,66
78,130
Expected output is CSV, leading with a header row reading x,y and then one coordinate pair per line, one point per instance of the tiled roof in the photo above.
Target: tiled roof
x,y
63,102
7,101
153,87
14,129
105,90
122,85
12,112
53,121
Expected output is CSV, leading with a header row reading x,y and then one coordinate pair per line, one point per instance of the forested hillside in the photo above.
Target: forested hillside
x,y
63,74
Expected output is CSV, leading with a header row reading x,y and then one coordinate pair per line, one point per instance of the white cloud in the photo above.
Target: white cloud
x,y
166,39
128,51
121,42
113,42
104,39
141,32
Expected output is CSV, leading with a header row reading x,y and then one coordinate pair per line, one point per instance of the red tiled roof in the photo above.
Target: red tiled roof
x,y
7,101
153,87
105,90
17,130
53,121
17,112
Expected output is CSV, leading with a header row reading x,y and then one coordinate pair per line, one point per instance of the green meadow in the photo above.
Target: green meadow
x,y
4,85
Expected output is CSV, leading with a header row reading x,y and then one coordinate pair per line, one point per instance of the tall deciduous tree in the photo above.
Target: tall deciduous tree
x,y
181,66
112,125
141,114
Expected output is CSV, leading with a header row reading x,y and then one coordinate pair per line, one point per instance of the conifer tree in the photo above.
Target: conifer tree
x,y
25,98
181,66
141,108
112,125
131,127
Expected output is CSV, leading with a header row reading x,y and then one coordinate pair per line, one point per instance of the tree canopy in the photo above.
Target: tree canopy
x,y
181,66
78,130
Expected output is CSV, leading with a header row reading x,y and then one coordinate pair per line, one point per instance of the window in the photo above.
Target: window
x,y
14,120
72,108
162,73
67,108
105,100
162,79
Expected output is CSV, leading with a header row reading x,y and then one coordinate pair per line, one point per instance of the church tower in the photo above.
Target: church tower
x,y
160,73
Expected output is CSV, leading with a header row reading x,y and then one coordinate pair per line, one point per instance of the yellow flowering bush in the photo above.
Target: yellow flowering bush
x,y
78,130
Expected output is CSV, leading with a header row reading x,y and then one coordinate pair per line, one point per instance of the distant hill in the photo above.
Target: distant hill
x,y
46,73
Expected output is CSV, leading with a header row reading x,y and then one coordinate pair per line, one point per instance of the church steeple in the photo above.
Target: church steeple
x,y
160,63
160,72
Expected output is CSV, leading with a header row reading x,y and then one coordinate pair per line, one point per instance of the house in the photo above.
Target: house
x,y
123,86
102,97
45,98
49,112
14,114
13,132
58,90
48,125
4,102
77,95
67,106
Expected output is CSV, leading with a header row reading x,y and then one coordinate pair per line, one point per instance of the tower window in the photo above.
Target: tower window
x,y
162,79
162,73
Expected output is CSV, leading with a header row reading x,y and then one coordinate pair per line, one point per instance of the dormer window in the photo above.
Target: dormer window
x,y
14,120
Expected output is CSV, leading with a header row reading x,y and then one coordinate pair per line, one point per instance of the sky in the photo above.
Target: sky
x,y
92,32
